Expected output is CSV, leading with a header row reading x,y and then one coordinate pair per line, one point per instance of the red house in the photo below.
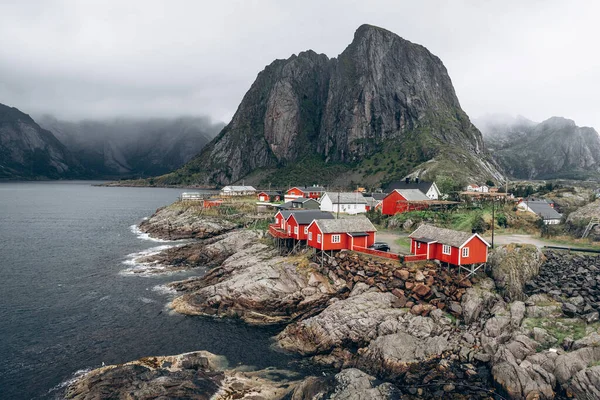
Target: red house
x,y
447,245
339,234
311,192
298,221
269,196
403,200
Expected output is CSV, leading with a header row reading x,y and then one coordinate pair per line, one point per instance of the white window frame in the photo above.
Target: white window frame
x,y
465,252
418,245
446,249
336,238
295,230
306,230
318,238
309,235
289,229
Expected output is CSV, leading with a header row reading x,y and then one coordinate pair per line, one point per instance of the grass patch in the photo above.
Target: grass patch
x,y
561,328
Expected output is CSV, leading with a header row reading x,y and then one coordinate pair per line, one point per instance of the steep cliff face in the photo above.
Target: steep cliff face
x,y
383,95
133,147
29,152
555,148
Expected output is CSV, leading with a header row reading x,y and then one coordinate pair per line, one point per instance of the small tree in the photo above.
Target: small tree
x,y
489,182
478,225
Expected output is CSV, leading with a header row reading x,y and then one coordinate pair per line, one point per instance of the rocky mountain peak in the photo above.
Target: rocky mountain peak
x,y
381,93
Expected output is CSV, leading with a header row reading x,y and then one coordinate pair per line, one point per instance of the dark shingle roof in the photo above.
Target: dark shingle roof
x,y
543,209
429,233
422,186
303,200
305,217
285,206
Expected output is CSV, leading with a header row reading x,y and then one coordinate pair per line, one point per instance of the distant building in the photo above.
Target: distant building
x,y
447,245
542,209
305,203
373,203
346,202
238,191
403,200
192,196
476,188
429,189
311,192
269,196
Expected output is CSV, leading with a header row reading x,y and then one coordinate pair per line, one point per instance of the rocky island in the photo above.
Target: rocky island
x,y
527,328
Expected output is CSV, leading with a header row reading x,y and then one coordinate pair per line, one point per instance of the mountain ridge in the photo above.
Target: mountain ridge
x,y
552,149
383,99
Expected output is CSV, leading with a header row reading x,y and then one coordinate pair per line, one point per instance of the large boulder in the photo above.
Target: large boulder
x,y
478,300
585,384
514,265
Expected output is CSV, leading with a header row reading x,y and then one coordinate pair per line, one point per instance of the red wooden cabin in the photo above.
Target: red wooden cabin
x,y
447,245
403,200
298,221
311,192
269,196
339,234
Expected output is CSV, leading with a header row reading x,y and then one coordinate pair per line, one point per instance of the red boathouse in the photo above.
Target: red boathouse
x,y
450,246
340,234
403,200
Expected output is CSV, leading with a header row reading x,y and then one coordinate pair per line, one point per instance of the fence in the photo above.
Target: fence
x,y
391,256
415,257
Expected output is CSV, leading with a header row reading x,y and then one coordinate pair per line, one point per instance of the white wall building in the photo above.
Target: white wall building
x,y
345,202
238,191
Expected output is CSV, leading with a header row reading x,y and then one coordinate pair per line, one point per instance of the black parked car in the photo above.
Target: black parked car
x,y
381,246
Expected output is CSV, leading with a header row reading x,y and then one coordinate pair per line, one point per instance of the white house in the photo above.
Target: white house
x,y
192,196
476,188
542,209
238,191
346,202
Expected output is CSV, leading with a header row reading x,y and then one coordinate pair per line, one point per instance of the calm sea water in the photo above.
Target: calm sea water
x,y
65,304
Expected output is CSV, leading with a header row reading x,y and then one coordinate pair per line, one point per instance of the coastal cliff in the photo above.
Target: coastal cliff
x,y
427,331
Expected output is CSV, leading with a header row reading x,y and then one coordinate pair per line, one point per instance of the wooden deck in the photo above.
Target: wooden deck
x,y
278,233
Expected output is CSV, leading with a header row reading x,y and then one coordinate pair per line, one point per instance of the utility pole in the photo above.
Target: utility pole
x,y
338,206
493,218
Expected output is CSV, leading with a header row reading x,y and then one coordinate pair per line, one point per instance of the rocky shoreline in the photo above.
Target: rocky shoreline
x,y
526,330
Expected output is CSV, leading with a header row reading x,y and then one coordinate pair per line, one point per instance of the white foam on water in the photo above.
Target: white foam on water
x,y
76,375
164,290
139,267
145,236
146,300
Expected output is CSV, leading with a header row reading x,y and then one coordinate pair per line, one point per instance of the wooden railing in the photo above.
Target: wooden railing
x,y
379,253
278,233
415,257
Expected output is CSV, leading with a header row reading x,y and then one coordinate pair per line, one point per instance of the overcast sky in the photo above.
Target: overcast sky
x,y
95,59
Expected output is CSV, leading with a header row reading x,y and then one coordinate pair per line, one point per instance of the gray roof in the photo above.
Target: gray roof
x,y
543,209
346,197
376,196
422,186
305,217
238,188
412,194
430,233
358,224
372,202
270,193
303,200
285,206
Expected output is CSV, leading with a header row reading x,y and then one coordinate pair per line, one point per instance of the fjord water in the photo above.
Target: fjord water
x,y
65,304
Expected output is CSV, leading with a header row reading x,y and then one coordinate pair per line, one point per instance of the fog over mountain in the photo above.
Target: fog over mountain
x,y
127,147
554,148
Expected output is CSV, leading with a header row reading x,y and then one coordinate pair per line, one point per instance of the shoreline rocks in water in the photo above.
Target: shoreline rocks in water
x,y
184,221
203,375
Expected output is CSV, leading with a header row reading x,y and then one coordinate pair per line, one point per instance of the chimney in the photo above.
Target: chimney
x,y
407,180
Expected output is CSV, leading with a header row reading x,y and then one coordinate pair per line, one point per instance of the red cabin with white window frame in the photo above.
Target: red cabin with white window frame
x,y
340,234
447,245
310,192
299,220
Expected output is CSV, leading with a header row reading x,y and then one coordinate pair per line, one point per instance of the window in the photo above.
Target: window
x,y
289,229
418,245
335,239
295,230
309,235
306,230
318,238
465,252
446,249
